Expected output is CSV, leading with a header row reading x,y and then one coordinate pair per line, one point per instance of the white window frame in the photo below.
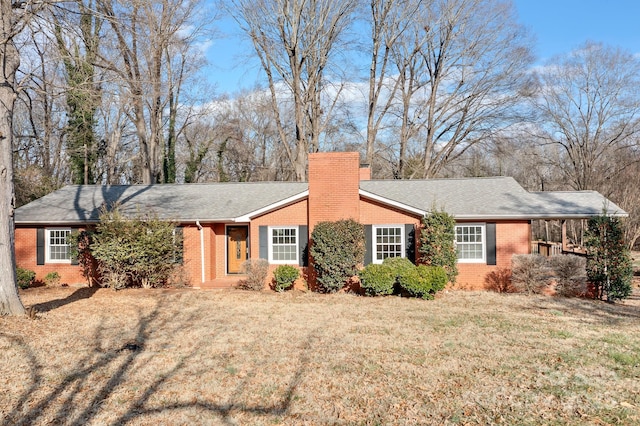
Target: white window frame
x,y
296,245
483,229
374,235
47,245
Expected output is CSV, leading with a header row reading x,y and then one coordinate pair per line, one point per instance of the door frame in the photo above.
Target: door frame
x,y
226,244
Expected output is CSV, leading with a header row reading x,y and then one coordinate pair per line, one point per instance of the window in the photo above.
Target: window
x,y
470,243
388,241
57,248
283,245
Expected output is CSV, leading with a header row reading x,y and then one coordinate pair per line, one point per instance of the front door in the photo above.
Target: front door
x,y
237,248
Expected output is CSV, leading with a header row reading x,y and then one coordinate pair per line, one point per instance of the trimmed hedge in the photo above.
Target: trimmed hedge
x,y
423,281
377,280
399,275
337,249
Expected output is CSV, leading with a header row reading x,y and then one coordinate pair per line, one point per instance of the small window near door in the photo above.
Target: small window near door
x,y
283,245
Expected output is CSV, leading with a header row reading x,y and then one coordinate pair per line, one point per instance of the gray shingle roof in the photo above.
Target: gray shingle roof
x,y
206,202
493,197
469,198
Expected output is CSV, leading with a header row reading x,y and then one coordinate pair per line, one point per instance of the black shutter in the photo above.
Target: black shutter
x,y
491,243
179,249
368,244
263,237
410,242
303,245
74,259
40,246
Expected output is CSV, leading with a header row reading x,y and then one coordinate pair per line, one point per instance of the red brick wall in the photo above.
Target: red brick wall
x,y
334,185
26,250
374,213
293,214
191,255
217,266
512,237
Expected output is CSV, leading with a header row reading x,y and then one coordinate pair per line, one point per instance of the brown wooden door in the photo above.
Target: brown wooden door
x,y
237,248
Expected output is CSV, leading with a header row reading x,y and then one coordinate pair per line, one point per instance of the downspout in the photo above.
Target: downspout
x,y
201,229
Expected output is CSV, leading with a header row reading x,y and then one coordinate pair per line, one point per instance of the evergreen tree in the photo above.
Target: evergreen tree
x,y
437,247
609,266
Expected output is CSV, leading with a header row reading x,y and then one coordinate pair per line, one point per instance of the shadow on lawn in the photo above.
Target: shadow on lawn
x,y
75,406
79,294
598,310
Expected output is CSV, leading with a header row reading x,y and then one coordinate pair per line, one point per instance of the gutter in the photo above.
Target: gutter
x,y
201,230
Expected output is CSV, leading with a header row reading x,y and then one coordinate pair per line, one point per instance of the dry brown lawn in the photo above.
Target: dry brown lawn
x,y
192,357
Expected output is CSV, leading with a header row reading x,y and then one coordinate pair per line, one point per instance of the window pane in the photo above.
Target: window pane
x,y
58,247
284,245
469,242
388,242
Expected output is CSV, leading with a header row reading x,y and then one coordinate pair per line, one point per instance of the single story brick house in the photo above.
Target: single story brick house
x,y
224,224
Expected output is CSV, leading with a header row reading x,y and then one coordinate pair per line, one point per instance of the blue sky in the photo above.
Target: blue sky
x,y
557,25
561,25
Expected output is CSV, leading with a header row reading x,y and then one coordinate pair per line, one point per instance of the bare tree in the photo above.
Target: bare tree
x,y
10,26
388,20
146,36
464,66
294,41
589,106
39,116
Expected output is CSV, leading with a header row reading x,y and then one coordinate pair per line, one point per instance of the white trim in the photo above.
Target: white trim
x,y
483,226
47,248
201,231
295,261
282,203
374,252
396,204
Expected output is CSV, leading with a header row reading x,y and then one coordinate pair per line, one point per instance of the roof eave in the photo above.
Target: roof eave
x,y
271,207
537,216
389,202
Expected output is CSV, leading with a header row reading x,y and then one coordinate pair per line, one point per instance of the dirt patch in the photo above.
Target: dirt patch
x,y
185,356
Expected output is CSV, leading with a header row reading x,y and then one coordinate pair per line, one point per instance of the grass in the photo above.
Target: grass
x,y
145,357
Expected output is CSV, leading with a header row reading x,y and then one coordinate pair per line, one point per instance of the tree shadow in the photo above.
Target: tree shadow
x,y
595,310
76,406
79,294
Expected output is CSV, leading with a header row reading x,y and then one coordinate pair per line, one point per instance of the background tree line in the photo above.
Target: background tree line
x,y
115,92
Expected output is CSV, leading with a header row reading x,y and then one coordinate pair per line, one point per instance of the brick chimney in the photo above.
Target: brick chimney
x,y
365,172
334,184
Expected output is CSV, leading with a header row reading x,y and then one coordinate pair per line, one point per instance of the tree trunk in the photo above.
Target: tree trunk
x,y
10,303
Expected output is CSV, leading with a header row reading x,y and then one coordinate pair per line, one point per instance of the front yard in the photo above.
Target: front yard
x,y
148,357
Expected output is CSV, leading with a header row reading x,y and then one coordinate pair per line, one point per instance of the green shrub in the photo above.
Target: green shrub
x,y
570,273
337,250
609,266
256,271
25,277
135,252
530,273
52,278
423,281
398,264
377,280
285,276
437,242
